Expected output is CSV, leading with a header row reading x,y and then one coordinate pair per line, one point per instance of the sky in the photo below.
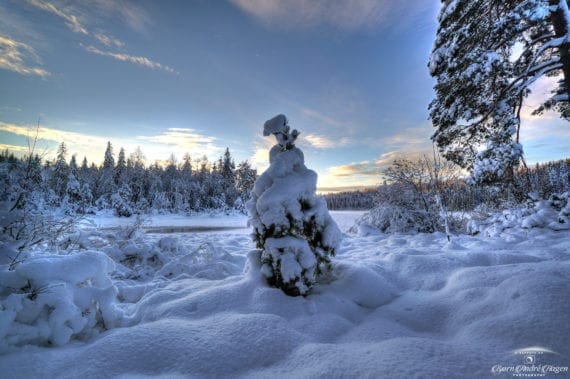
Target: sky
x,y
198,76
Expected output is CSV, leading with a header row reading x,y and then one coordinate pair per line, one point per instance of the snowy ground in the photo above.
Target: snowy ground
x,y
399,306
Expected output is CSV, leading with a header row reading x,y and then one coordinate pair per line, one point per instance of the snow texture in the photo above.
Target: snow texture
x,y
47,300
397,306
553,214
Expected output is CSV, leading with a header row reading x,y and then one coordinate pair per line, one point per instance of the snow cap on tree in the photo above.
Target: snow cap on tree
x,y
278,126
291,224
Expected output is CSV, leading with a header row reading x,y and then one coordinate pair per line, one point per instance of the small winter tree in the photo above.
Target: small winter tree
x,y
120,168
227,171
291,225
60,171
245,179
106,185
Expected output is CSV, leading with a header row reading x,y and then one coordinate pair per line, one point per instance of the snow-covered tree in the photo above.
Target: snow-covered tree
x,y
120,168
228,175
245,179
186,169
106,184
73,169
291,225
486,55
60,171
109,159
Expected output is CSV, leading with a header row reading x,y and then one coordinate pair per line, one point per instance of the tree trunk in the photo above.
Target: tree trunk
x,y
560,19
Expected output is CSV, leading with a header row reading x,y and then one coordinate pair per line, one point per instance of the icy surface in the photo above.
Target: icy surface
x,y
397,306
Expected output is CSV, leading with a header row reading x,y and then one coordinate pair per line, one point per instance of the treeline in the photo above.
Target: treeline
x,y
539,181
354,200
428,195
126,184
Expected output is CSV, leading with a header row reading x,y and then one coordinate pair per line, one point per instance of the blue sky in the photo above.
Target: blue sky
x,y
197,76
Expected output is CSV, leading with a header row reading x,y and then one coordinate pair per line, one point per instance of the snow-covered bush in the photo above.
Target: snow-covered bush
x,y
414,199
290,223
393,218
136,257
24,220
553,213
49,299
121,203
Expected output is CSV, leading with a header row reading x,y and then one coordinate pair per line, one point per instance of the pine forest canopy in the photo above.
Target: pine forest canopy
x,y
486,56
127,185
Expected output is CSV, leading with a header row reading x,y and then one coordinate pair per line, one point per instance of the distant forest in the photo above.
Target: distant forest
x,y
128,186
457,192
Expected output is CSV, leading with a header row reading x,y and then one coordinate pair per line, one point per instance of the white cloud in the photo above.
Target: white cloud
x,y
78,14
369,172
141,61
156,147
260,157
324,142
108,40
71,20
16,56
81,14
346,14
19,150
183,139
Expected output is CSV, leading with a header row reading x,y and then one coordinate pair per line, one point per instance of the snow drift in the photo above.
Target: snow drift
x,y
397,306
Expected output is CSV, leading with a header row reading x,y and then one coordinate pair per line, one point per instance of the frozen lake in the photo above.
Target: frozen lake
x,y
197,223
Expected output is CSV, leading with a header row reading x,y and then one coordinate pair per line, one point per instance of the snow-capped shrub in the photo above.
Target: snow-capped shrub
x,y
121,203
135,256
290,223
403,208
136,259
50,299
391,218
538,213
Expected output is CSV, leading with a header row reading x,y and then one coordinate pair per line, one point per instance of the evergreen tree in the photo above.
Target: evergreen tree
x,y
186,165
120,168
60,172
109,159
291,225
106,184
245,180
33,176
73,165
482,78
228,177
136,178
170,181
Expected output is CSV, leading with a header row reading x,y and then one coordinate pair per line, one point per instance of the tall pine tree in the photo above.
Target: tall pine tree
x,y
486,55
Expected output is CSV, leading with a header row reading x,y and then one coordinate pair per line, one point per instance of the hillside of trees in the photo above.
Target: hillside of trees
x,y
126,184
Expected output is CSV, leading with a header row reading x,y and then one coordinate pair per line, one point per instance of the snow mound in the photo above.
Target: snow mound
x,y
393,306
553,213
47,300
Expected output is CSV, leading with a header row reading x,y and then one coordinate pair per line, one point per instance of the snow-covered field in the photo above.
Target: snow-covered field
x,y
398,306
